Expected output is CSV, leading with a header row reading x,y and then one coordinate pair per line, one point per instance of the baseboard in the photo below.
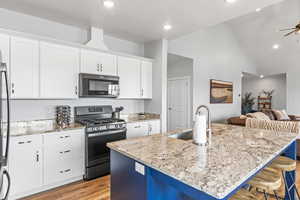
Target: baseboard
x,y
45,188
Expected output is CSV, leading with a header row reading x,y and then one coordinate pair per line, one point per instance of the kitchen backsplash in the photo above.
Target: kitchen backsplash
x,y
26,110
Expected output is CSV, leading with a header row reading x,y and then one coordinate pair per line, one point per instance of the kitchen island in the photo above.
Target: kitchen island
x,y
162,167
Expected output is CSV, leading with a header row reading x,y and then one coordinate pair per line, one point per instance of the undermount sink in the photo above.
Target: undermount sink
x,y
183,136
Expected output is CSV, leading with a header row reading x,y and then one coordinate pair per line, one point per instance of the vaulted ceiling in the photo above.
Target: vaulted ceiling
x,y
138,20
259,31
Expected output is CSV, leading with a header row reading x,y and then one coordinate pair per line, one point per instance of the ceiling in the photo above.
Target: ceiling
x,y
138,20
258,32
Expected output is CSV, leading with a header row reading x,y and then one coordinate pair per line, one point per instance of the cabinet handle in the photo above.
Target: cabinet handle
x,y
137,127
12,88
68,151
21,142
142,92
67,170
37,156
67,136
61,172
76,90
101,69
29,141
98,68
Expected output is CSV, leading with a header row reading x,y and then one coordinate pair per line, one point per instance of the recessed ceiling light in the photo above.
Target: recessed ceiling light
x,y
261,76
258,9
276,46
108,3
230,1
167,27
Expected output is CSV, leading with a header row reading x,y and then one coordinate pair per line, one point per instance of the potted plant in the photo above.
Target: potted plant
x,y
247,103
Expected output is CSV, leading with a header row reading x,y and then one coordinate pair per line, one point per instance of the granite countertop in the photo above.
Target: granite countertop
x,y
132,118
234,155
38,127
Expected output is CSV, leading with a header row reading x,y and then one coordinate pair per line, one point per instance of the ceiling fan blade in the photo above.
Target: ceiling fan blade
x,y
289,33
287,29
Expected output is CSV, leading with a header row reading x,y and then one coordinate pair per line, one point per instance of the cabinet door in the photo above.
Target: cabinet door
x,y
108,64
25,164
90,62
138,129
146,80
154,127
4,57
59,71
129,72
93,62
24,68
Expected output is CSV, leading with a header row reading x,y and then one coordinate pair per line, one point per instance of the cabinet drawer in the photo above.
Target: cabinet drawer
x,y
64,169
138,129
69,143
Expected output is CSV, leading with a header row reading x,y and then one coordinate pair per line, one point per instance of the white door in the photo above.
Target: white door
x,y
59,67
178,103
25,164
138,129
24,68
129,72
4,57
146,79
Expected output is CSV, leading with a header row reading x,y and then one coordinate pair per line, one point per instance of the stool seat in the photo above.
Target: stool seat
x,y
284,163
244,194
267,179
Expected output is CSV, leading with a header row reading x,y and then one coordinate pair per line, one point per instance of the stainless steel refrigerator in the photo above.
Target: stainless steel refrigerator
x,y
4,131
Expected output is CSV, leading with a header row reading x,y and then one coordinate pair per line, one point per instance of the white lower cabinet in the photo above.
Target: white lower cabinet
x,y
154,127
25,164
144,128
63,156
44,161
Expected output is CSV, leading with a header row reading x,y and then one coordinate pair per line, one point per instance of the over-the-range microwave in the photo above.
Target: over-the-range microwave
x,y
98,86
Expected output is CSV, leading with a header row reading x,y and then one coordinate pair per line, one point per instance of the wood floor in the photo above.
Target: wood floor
x,y
98,189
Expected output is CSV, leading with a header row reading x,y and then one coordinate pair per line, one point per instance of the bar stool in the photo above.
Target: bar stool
x,y
286,165
268,180
244,194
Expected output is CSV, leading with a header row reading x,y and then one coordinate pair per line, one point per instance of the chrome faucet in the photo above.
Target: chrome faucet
x,y
208,129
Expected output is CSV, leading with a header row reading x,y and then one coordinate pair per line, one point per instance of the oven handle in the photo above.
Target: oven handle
x,y
99,134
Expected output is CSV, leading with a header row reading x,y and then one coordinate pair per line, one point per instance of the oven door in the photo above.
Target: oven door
x,y
91,85
97,151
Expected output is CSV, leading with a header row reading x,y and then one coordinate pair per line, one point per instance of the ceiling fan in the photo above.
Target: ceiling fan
x,y
295,30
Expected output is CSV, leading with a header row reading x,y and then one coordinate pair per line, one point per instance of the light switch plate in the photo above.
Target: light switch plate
x,y
140,168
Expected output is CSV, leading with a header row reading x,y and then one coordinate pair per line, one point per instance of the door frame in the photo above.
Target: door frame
x,y
188,78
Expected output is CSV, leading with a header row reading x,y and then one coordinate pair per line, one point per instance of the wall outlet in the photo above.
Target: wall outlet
x,y
140,168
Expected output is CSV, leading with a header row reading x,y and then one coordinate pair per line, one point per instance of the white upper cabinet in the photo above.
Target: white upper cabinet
x,y
129,70
93,62
24,68
4,56
146,80
59,66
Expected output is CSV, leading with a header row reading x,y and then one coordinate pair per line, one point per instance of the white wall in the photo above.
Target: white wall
x,y
256,85
44,109
158,51
29,24
182,67
217,55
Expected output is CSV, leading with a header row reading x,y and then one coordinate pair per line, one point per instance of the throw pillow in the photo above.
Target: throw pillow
x,y
258,115
281,115
270,114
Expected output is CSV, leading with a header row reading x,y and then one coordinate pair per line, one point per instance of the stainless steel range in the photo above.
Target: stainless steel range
x,y
101,128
